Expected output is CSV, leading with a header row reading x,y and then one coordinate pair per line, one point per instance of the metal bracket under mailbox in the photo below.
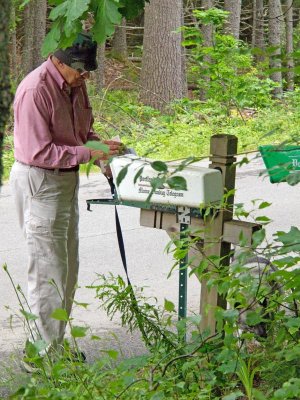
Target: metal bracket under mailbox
x,y
193,212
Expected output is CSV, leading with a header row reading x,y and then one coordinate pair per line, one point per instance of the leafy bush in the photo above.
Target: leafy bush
x,y
232,362
225,71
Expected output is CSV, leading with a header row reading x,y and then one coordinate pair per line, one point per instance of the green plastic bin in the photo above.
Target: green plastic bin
x,y
280,161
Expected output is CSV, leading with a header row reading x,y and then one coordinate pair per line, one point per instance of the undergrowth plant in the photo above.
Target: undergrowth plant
x,y
234,362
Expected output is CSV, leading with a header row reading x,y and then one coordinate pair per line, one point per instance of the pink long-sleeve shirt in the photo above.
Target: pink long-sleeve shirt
x,y
51,127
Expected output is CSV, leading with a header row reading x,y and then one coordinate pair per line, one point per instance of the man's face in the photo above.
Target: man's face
x,y
75,77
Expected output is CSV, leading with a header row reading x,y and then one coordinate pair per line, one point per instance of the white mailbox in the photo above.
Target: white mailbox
x,y
204,185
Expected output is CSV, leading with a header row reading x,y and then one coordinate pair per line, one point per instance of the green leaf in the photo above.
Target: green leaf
x,y
90,165
29,316
84,305
169,306
177,183
30,350
122,174
60,314
40,345
78,331
294,178
293,323
76,9
230,315
157,183
258,395
106,17
112,354
55,2
264,204
138,174
258,237
58,11
180,385
23,4
262,219
52,38
159,166
95,145
253,318
233,395
158,396
290,240
95,337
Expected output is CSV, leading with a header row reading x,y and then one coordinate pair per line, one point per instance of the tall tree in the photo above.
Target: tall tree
x,y
207,34
119,42
289,44
101,66
161,77
39,30
232,25
5,94
258,39
35,14
275,15
13,44
27,57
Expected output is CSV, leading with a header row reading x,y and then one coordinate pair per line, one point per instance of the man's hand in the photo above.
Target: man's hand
x,y
115,149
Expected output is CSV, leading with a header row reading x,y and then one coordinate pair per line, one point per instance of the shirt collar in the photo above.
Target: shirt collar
x,y
55,73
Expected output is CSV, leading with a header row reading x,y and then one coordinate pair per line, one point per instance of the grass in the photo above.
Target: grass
x,y
188,130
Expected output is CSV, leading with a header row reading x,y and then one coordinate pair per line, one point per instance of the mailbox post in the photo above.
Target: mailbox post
x,y
219,231
223,149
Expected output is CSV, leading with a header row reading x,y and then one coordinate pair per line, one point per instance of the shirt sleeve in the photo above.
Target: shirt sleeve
x,y
33,140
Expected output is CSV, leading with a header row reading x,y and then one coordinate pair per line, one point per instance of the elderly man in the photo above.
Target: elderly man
x,y
52,122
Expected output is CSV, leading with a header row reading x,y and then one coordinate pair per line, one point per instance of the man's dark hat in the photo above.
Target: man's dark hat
x,y
82,53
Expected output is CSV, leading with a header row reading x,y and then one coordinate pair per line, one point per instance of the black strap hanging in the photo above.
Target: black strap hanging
x,y
119,232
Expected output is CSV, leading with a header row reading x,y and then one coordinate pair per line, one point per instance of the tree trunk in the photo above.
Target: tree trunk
x,y
13,62
258,39
274,41
232,26
119,42
161,75
27,55
183,61
207,33
40,16
289,44
101,67
5,94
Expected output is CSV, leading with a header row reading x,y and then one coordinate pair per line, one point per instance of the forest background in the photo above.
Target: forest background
x,y
171,74
175,73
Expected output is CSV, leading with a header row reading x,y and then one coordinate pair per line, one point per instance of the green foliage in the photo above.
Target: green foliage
x,y
67,17
225,71
223,365
246,376
136,311
187,131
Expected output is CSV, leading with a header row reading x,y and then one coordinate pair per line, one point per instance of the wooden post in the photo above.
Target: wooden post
x,y
223,149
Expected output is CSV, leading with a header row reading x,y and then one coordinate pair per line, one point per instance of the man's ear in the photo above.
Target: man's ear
x,y
58,62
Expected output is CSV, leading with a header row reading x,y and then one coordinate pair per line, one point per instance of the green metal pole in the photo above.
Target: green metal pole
x,y
183,277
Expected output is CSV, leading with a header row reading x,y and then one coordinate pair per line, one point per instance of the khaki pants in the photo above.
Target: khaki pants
x,y
47,208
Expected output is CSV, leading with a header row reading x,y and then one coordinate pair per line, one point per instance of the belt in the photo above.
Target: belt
x,y
71,169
